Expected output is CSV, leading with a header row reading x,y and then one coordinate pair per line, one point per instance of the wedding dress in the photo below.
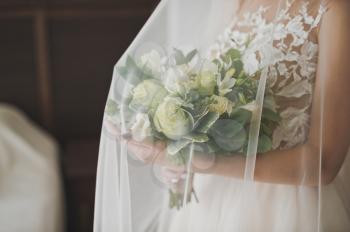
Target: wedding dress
x,y
283,41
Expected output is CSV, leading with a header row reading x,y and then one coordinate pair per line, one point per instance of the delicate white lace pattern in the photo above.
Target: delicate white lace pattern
x,y
292,62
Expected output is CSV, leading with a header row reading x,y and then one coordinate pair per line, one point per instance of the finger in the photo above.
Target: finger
x,y
111,128
153,148
170,173
142,151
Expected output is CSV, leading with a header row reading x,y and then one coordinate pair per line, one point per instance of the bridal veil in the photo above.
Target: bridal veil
x,y
132,196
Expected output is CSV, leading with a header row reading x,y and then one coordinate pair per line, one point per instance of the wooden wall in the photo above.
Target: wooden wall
x,y
57,57
56,63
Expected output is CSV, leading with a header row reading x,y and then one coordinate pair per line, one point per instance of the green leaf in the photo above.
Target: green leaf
x,y
270,115
228,134
131,72
180,158
231,55
234,54
242,116
242,98
207,122
111,107
180,58
218,63
234,143
266,129
238,65
226,128
174,147
197,137
264,144
206,148
190,55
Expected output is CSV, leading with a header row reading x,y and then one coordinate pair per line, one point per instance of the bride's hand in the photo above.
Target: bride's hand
x,y
147,151
174,179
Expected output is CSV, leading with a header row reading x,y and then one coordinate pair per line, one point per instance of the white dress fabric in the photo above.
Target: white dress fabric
x,y
276,207
31,196
283,43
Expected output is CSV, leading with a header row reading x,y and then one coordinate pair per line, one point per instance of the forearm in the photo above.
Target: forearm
x,y
299,165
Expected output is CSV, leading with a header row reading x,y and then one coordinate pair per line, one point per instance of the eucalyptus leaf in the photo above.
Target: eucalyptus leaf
x,y
131,72
179,56
174,146
270,115
197,137
234,143
266,129
242,116
226,128
111,107
207,148
238,65
228,134
207,122
190,55
264,144
234,54
179,158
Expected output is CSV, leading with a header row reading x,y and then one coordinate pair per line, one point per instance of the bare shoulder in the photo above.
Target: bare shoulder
x,y
342,6
337,14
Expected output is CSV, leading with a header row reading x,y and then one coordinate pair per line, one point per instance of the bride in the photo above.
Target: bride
x,y
290,173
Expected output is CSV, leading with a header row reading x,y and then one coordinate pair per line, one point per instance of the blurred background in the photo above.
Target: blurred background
x,y
56,63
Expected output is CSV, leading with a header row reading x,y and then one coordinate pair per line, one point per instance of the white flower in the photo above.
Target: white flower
x,y
225,86
250,63
153,62
172,120
147,95
173,80
239,38
141,128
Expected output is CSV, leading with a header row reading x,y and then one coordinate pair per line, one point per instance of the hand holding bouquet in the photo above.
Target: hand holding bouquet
x,y
190,104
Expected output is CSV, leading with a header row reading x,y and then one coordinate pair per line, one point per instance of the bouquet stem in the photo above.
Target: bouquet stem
x,y
189,176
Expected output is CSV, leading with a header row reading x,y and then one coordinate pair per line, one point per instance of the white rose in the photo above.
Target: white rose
x,y
209,67
173,80
172,120
141,128
147,95
153,62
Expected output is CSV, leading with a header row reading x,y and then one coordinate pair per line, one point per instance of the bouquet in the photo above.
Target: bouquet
x,y
192,103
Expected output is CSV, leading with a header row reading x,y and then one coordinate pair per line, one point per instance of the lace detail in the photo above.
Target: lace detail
x,y
292,62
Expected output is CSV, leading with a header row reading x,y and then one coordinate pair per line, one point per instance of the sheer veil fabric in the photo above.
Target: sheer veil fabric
x,y
278,43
